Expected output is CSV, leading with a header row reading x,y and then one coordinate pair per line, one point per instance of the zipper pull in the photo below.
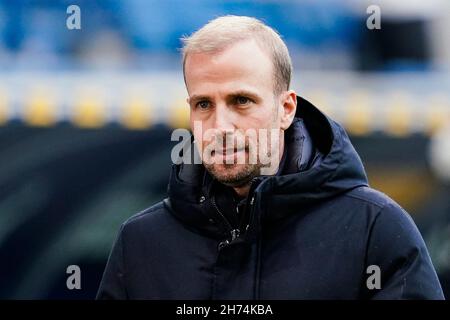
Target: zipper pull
x,y
235,234
223,244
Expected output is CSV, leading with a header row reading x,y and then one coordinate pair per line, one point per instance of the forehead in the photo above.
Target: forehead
x,y
244,63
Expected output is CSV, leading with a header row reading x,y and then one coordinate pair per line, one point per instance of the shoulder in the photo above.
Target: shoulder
x,y
390,221
385,211
370,196
151,218
148,213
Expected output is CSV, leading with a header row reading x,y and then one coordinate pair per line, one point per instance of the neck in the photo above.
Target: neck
x,y
242,191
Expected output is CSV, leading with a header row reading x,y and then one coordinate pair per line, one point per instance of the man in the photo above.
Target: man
x,y
308,227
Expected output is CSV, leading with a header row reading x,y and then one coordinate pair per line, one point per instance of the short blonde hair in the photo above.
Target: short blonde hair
x,y
223,31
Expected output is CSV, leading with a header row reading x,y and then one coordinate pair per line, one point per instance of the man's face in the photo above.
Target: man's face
x,y
230,92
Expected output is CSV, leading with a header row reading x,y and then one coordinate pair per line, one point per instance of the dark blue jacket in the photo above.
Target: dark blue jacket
x,y
309,232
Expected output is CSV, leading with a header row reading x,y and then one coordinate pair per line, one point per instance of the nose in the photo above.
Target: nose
x,y
224,125
223,121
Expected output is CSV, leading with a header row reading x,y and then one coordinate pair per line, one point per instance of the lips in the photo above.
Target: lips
x,y
231,151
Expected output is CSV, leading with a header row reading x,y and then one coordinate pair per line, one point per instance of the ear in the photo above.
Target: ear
x,y
289,104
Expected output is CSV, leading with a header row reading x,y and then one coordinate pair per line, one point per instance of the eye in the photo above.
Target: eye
x,y
242,100
203,104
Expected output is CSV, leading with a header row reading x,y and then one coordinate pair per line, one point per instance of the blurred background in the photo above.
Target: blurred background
x,y
86,116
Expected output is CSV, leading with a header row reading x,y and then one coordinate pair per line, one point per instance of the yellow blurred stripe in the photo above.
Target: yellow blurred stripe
x,y
40,109
179,114
136,114
321,100
359,114
408,187
89,112
399,116
3,107
438,114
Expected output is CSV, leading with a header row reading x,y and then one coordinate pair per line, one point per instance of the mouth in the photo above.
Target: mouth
x,y
225,152
228,156
231,151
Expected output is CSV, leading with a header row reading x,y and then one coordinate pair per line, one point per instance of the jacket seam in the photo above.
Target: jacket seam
x,y
379,205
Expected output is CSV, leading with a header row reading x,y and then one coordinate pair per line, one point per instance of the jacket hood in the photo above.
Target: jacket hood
x,y
320,163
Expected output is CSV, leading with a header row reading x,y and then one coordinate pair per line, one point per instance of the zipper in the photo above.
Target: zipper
x,y
245,219
244,222
235,233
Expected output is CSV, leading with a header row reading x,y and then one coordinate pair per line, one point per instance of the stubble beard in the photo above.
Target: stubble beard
x,y
234,175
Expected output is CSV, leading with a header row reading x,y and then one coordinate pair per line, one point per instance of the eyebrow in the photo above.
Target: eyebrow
x,y
235,94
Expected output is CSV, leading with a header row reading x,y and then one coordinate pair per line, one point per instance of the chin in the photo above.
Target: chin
x,y
232,174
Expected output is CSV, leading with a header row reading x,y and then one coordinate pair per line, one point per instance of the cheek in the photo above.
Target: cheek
x,y
260,120
197,128
203,134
